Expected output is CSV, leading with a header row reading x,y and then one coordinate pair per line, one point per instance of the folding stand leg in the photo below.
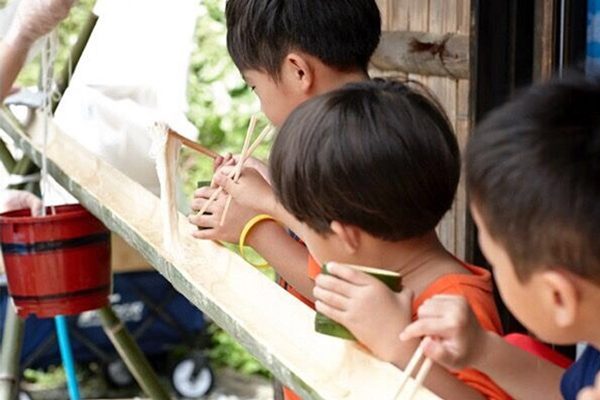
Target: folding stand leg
x,y
131,354
12,342
66,355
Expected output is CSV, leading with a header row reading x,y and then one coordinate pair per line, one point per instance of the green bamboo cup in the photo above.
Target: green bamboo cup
x,y
200,184
327,326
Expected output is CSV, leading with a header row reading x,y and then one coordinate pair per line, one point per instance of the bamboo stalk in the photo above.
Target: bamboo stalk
x,y
132,355
6,158
12,341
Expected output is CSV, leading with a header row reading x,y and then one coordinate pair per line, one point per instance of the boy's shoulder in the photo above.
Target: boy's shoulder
x,y
581,374
475,286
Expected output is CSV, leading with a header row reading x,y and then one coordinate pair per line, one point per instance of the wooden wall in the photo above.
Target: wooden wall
x,y
443,17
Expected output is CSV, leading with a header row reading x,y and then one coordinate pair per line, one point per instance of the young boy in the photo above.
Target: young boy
x,y
533,172
370,170
289,51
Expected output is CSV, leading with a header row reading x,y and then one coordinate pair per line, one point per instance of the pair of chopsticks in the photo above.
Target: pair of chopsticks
x,y
421,374
247,152
191,144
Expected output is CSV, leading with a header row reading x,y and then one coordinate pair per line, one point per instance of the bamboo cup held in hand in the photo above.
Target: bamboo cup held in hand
x,y
327,326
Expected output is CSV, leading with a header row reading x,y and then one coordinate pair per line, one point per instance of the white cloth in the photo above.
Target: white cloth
x,y
132,73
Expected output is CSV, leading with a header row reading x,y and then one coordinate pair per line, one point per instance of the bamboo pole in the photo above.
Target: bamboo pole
x,y
132,355
12,341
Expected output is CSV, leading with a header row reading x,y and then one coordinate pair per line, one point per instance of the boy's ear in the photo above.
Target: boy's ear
x,y
562,294
301,71
349,235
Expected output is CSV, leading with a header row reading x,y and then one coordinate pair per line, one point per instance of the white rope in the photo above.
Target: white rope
x,y
47,72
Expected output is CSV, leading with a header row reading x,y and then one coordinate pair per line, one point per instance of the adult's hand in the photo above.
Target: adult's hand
x,y
35,18
11,200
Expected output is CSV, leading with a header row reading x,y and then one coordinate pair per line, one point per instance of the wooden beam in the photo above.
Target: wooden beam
x,y
423,53
274,326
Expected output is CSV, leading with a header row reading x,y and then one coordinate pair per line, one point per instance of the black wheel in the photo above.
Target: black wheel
x,y
192,377
118,375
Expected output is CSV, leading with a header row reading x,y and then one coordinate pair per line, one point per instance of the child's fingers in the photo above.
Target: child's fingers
x,y
205,234
197,204
425,327
222,160
350,274
435,350
332,299
204,192
329,311
443,306
333,284
203,221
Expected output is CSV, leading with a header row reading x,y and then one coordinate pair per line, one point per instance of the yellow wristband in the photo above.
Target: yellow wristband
x,y
247,228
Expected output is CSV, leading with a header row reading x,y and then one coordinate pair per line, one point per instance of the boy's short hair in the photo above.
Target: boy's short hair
x,y
343,34
533,171
378,155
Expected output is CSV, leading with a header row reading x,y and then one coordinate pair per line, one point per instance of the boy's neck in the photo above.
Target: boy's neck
x,y
419,261
331,79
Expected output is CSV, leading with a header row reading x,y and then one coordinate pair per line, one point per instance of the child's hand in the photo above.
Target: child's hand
x,y
364,305
262,168
222,161
453,335
591,392
210,222
251,190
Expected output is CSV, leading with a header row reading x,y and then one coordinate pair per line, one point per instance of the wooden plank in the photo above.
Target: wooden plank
x,y
385,13
274,326
464,16
443,20
398,18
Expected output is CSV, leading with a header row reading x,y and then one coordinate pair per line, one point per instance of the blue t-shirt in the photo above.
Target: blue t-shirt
x,y
581,374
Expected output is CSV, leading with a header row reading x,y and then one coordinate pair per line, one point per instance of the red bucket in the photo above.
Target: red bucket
x,y
58,264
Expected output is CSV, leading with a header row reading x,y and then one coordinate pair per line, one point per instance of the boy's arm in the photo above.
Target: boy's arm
x,y
461,343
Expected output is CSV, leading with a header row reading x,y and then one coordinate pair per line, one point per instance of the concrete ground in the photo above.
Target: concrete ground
x,y
229,385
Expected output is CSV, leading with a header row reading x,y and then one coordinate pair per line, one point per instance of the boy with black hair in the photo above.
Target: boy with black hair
x,y
370,170
533,173
288,51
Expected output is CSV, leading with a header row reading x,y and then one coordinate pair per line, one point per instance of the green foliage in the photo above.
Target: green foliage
x,y
220,102
225,351
68,31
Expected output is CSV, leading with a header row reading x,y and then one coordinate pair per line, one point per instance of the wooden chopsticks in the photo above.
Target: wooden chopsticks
x,y
192,145
421,374
268,129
